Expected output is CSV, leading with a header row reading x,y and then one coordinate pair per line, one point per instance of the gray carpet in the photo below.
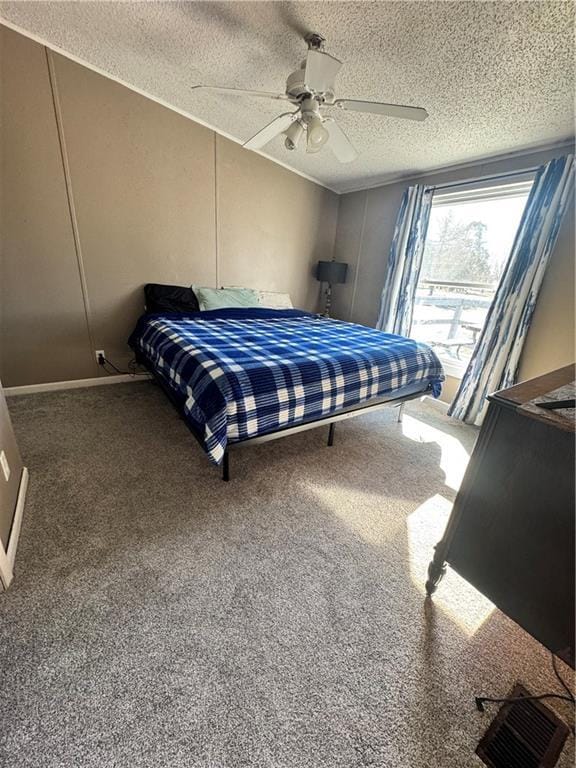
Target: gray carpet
x,y
163,618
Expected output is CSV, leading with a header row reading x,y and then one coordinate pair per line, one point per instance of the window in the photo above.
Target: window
x,y
469,238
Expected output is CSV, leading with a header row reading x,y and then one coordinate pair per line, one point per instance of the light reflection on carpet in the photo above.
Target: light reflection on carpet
x,y
464,604
454,456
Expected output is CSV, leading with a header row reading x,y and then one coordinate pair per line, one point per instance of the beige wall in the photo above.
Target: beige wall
x,y
8,488
154,197
266,235
551,340
365,228
143,188
44,331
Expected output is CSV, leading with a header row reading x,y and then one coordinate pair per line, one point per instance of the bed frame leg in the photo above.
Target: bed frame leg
x,y
331,434
226,467
400,412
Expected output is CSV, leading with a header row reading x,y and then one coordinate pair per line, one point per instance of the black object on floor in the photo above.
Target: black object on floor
x,y
523,735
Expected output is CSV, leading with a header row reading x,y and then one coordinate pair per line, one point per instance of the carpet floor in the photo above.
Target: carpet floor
x,y
162,618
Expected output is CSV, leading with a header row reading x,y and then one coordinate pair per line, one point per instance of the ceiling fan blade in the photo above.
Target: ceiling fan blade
x,y
378,108
321,71
240,92
273,129
339,143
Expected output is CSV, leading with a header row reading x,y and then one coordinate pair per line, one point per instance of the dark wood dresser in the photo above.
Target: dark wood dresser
x,y
511,531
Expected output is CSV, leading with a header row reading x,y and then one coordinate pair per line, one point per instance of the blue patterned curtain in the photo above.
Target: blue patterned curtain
x,y
404,262
494,363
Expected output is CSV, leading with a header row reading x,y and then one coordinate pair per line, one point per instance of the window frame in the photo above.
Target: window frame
x,y
480,190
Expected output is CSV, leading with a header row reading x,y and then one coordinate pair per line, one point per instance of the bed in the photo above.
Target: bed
x,y
245,375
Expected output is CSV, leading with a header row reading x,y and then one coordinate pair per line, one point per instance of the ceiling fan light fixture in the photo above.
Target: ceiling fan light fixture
x,y
293,135
310,91
317,135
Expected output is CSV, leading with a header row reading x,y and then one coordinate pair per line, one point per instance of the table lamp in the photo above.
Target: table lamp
x,y
330,272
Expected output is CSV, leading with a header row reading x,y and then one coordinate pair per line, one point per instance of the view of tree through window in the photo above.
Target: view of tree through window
x,y
459,253
469,238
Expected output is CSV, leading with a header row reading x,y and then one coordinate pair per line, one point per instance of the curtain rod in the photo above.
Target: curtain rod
x,y
450,184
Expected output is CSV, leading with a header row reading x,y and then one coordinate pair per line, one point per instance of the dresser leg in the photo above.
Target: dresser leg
x,y
436,571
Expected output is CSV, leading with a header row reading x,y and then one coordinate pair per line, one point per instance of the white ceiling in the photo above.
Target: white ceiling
x,y
495,76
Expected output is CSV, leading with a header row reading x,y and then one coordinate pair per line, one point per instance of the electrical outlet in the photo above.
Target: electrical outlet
x,y
100,356
5,466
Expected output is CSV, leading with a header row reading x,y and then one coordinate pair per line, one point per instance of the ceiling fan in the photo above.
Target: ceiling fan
x,y
311,89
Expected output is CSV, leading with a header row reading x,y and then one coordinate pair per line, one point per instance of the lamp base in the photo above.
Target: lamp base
x,y
328,300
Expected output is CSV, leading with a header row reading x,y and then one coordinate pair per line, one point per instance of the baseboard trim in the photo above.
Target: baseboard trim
x,y
18,515
8,556
53,386
6,573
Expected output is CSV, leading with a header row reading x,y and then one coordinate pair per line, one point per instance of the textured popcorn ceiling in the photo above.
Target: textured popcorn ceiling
x,y
494,76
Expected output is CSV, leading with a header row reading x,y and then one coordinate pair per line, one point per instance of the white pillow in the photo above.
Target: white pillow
x,y
274,300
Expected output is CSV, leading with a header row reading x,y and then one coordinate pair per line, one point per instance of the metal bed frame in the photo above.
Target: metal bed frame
x,y
375,404
346,413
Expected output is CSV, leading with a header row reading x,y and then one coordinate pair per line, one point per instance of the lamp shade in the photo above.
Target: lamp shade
x,y
331,272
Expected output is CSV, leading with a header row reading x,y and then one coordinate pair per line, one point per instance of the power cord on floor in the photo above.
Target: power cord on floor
x,y
569,696
104,363
561,680
481,700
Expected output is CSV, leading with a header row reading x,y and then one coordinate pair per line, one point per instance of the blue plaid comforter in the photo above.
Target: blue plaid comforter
x,y
238,373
